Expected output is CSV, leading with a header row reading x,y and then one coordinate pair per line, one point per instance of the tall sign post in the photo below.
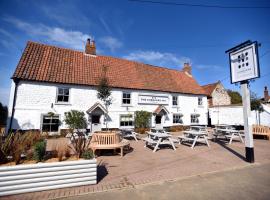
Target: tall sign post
x,y
244,66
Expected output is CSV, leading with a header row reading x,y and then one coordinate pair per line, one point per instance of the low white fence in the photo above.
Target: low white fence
x,y
46,176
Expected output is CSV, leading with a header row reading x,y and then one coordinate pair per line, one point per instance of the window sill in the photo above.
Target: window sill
x,y
200,106
63,103
126,105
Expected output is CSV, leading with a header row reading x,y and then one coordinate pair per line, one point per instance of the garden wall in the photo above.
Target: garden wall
x,y
46,176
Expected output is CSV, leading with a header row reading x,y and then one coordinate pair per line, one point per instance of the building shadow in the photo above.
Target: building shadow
x,y
225,146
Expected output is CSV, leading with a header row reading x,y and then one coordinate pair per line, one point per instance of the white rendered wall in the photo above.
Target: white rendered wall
x,y
232,115
36,98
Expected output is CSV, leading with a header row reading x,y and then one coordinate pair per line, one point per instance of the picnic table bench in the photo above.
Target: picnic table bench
x,y
158,139
230,134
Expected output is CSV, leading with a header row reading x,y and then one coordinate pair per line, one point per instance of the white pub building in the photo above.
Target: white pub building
x,y
50,79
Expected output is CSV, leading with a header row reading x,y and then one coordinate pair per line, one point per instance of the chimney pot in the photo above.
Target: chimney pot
x,y
266,95
187,68
90,48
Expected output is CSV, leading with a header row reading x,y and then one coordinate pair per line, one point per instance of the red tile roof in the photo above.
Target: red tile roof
x,y
209,88
41,62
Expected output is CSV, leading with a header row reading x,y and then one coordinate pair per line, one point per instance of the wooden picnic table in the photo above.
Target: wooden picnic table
x,y
228,134
158,139
194,137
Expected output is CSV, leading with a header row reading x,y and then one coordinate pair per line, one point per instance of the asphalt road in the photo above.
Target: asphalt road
x,y
251,182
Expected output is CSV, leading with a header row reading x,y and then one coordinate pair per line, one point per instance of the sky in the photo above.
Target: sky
x,y
159,34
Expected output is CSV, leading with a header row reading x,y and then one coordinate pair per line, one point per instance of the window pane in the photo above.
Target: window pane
x,y
65,99
60,98
60,91
128,96
66,92
128,101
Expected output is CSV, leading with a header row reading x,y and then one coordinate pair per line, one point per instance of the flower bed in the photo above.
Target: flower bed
x,y
46,176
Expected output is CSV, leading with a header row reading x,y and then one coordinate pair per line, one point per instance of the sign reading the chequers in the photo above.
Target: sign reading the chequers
x,y
244,63
149,99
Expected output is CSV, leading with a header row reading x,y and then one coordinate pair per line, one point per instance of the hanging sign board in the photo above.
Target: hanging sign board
x,y
149,99
244,62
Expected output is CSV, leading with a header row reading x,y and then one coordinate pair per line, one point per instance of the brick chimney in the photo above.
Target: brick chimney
x,y
187,69
266,95
90,47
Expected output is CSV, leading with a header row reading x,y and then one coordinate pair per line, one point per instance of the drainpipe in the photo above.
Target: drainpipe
x,y
16,81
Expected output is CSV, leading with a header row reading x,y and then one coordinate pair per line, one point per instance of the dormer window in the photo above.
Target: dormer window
x,y
62,95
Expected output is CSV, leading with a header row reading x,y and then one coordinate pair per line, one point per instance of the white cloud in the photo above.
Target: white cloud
x,y
111,42
68,38
158,58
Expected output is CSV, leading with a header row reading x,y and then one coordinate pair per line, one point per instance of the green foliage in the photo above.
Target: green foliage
x,y
142,119
40,150
88,154
104,90
75,119
236,97
255,103
3,114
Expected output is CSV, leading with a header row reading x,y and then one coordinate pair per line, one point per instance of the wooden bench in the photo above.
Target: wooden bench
x,y
261,130
101,140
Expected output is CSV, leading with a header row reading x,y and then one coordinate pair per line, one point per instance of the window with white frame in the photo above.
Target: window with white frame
x,y
126,99
200,101
50,123
177,119
126,120
194,118
174,100
62,95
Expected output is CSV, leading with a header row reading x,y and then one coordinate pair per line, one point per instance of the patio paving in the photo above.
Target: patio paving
x,y
142,166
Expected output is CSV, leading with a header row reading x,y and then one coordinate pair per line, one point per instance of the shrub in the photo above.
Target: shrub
x,y
142,119
76,120
40,150
88,154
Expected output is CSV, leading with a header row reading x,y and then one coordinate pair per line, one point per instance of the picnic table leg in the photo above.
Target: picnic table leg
x,y
172,144
194,142
135,137
206,141
157,145
231,138
241,139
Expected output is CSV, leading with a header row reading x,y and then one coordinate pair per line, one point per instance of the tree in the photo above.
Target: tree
x,y
104,92
76,120
255,103
236,97
3,114
142,119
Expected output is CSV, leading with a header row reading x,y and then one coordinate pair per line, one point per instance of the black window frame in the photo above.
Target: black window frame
x,y
129,123
177,119
62,95
126,98
200,101
195,118
175,101
50,124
